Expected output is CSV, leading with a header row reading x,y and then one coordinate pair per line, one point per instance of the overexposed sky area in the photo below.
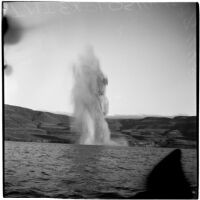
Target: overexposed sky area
x,y
147,51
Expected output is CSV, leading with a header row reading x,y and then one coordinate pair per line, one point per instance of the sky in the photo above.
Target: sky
x,y
147,51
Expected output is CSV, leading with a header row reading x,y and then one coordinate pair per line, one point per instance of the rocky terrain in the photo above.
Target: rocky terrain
x,y
22,124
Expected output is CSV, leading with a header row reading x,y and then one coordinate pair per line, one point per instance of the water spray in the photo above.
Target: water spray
x,y
90,101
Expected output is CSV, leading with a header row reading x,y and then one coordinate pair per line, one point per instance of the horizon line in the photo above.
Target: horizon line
x,y
110,116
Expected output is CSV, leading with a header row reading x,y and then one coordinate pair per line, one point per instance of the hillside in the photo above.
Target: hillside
x,y
22,124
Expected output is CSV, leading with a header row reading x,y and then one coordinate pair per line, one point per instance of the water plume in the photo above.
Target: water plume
x,y
90,101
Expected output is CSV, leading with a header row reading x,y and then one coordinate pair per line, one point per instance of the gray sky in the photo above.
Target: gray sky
x,y
147,51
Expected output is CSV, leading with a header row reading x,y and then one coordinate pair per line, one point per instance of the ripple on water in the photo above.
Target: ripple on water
x,y
78,171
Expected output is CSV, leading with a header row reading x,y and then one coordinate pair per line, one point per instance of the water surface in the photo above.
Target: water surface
x,y
79,171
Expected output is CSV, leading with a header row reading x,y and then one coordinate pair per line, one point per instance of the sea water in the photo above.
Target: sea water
x,y
79,171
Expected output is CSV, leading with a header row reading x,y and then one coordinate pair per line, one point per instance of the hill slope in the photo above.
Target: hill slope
x,y
22,124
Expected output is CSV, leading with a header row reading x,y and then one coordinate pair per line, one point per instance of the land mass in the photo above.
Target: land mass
x,y
23,124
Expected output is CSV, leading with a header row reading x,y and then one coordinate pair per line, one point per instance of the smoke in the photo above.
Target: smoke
x,y
90,102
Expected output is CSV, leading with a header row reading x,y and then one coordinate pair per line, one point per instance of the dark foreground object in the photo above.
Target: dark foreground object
x,y
167,180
